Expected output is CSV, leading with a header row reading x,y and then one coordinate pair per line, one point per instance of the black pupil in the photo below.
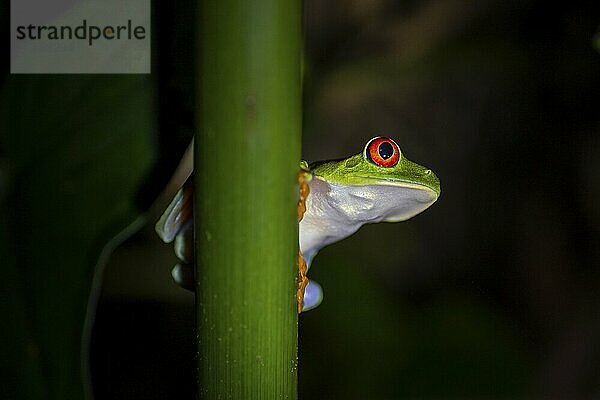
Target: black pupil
x,y
386,150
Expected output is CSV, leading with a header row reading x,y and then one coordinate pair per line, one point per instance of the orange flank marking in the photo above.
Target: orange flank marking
x,y
302,267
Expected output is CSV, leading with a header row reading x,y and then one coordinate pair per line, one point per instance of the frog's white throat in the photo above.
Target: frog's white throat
x,y
335,211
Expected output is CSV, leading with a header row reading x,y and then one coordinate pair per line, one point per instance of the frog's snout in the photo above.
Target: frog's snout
x,y
430,180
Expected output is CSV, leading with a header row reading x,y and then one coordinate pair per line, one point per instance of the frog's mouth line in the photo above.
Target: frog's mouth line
x,y
401,183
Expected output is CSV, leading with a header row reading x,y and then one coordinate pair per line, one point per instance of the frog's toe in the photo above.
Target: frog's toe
x,y
178,214
313,295
184,243
183,275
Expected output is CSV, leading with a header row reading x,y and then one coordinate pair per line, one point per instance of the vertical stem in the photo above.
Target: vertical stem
x,y
247,154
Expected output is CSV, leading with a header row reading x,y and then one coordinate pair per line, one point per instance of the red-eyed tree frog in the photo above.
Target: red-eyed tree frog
x,y
377,185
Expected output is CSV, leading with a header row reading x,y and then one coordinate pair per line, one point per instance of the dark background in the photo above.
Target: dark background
x,y
491,293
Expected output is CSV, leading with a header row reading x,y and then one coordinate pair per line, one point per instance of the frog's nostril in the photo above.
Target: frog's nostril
x,y
427,172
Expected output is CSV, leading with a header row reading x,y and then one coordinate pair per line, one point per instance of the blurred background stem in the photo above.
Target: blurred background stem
x,y
247,155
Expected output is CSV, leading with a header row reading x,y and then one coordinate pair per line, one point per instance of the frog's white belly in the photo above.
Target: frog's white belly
x,y
323,223
335,211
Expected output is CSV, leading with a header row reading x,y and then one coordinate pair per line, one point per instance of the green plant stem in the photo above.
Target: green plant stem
x,y
247,154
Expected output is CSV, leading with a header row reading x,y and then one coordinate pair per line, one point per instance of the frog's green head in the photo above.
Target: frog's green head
x,y
400,188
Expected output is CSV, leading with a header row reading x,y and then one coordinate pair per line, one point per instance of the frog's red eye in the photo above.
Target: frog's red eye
x,y
383,152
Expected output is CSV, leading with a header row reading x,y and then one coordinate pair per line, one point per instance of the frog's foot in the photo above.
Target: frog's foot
x,y
177,224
